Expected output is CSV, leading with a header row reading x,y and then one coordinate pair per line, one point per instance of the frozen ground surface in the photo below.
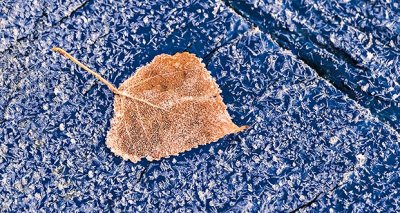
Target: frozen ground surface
x,y
318,81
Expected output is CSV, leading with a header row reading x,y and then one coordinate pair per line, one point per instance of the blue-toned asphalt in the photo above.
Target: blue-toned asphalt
x,y
318,81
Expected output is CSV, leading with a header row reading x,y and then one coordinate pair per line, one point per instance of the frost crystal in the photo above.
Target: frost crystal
x,y
313,105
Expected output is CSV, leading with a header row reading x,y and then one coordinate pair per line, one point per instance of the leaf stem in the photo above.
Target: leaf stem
x,y
98,76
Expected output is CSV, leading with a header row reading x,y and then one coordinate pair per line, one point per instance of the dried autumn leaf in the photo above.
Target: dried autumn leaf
x,y
167,107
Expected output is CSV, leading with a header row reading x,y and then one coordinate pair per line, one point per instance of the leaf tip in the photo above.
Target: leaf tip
x,y
242,128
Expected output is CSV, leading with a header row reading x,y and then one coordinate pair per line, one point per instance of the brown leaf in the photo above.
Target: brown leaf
x,y
167,107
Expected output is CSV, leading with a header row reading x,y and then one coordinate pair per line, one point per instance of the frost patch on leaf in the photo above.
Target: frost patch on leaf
x,y
189,111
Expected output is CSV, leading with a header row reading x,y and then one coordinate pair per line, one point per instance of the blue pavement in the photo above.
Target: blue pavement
x,y
317,81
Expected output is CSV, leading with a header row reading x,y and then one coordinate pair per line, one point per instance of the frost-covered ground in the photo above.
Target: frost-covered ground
x,y
318,81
